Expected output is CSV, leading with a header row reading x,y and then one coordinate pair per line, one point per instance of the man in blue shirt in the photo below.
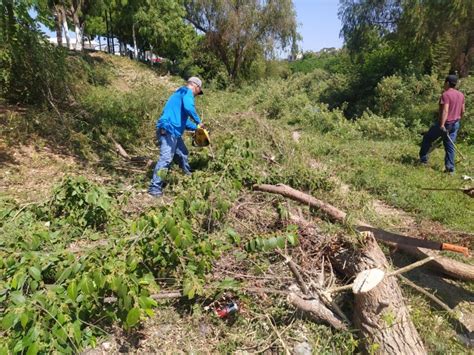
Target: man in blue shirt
x,y
178,115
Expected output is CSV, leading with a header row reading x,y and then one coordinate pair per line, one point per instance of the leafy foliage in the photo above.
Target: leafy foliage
x,y
78,202
238,31
31,70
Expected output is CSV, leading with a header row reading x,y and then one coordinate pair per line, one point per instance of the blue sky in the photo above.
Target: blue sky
x,y
318,23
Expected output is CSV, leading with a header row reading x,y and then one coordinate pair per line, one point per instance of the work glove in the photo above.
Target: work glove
x,y
443,129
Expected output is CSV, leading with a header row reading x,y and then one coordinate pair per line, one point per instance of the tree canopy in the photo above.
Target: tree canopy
x,y
431,36
236,30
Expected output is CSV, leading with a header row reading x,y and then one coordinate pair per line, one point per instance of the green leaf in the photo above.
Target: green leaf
x,y
147,302
35,273
33,349
9,320
133,317
234,237
229,283
24,319
270,244
281,241
292,239
19,346
72,290
17,298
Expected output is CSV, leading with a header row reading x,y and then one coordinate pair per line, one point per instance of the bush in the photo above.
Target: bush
x,y
32,71
380,128
81,203
411,99
466,132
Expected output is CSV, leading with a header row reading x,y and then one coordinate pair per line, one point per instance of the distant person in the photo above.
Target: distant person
x,y
179,114
451,110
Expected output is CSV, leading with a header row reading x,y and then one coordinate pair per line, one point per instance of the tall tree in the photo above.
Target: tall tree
x,y
236,29
431,34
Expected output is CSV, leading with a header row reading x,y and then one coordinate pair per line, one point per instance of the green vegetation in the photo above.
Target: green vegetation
x,y
81,248
87,259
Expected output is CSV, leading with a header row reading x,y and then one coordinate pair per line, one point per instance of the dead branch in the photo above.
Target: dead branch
x,y
297,275
433,298
409,245
119,149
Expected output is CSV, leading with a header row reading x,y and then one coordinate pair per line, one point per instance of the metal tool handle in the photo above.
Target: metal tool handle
x,y
455,248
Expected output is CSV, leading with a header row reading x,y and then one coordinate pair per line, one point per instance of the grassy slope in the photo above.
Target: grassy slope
x,y
235,119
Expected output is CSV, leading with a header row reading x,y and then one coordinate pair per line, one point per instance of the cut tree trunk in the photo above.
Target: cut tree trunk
x,y
380,314
406,244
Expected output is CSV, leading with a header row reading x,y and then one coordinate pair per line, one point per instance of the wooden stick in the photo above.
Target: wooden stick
x,y
393,273
435,299
119,149
297,275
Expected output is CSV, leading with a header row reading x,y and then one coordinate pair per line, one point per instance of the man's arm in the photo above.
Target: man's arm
x,y
443,112
190,125
444,115
188,103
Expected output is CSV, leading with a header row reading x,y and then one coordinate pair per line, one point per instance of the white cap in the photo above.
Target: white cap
x,y
197,81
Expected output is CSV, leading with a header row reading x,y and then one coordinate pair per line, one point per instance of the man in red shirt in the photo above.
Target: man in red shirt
x,y
451,110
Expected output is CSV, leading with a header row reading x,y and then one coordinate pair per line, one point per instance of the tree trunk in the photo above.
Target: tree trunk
x,y
107,30
58,25
77,29
111,32
65,27
10,30
409,245
135,48
380,314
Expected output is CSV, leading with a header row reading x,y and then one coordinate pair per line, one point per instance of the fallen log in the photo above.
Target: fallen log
x,y
408,245
380,314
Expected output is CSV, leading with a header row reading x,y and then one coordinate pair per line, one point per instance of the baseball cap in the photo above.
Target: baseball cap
x,y
197,81
452,79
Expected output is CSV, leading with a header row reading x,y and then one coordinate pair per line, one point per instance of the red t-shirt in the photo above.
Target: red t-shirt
x,y
455,99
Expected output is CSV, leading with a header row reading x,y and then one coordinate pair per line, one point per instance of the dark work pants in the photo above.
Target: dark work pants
x,y
433,134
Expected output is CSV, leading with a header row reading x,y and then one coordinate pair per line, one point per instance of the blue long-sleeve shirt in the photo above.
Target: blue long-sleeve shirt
x,y
179,113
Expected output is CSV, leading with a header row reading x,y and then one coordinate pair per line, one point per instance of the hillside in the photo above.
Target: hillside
x,y
84,249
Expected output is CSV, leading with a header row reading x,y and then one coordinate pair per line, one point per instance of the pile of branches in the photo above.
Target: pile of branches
x,y
380,313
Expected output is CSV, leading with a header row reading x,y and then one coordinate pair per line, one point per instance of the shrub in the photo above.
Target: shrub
x,y
376,127
81,203
411,99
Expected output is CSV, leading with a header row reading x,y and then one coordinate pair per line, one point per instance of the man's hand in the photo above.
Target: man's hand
x,y
201,125
443,129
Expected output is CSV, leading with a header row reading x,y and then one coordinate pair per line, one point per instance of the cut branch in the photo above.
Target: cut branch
x,y
409,245
316,310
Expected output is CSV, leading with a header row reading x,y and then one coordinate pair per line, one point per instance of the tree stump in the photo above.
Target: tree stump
x,y
380,314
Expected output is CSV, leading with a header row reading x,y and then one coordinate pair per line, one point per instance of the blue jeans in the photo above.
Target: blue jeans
x,y
172,149
433,134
